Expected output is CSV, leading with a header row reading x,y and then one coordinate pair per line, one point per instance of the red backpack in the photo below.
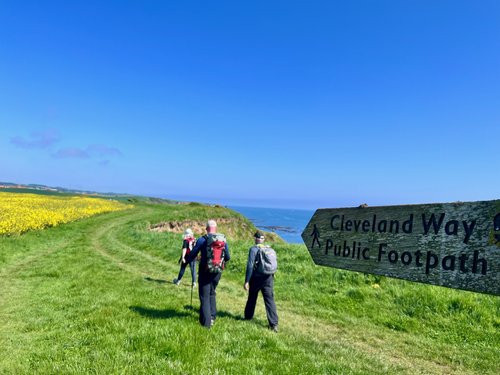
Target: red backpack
x,y
191,241
216,246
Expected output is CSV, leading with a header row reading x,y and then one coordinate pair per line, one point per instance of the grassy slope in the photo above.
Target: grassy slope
x,y
93,296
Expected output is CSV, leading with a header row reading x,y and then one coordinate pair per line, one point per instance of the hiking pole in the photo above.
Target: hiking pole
x,y
192,296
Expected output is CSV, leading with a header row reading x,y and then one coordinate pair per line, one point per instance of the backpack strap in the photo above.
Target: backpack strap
x,y
258,258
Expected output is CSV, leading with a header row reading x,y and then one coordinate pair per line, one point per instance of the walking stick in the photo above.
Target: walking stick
x,y
192,296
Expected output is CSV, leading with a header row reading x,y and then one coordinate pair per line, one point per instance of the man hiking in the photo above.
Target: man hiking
x,y
214,254
187,245
261,266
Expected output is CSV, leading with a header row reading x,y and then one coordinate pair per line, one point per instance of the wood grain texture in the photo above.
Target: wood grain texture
x,y
455,245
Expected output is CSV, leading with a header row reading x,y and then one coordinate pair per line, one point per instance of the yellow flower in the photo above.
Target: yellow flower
x,y
21,212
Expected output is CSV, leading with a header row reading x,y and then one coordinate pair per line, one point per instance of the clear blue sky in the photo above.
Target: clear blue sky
x,y
272,103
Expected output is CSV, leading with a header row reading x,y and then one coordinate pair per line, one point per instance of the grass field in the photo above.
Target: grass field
x,y
95,296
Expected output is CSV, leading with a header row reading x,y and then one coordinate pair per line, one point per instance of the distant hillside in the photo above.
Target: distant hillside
x,y
11,185
44,189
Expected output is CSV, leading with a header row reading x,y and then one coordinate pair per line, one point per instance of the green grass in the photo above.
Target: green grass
x,y
95,296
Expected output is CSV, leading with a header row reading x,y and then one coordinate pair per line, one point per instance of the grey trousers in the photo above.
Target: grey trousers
x,y
264,283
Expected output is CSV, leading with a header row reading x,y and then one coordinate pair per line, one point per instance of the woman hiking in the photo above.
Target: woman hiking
x,y
187,245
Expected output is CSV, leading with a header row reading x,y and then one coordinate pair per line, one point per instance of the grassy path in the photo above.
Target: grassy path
x,y
294,325
94,298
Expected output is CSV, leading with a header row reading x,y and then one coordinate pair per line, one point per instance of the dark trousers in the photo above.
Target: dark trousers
x,y
192,266
264,283
207,282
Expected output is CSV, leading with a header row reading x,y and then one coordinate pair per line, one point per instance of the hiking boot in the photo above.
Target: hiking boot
x,y
176,281
274,328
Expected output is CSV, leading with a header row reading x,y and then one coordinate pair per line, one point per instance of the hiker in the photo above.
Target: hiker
x,y
214,253
187,245
261,266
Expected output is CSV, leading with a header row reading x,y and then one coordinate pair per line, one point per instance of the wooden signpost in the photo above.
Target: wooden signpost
x,y
456,245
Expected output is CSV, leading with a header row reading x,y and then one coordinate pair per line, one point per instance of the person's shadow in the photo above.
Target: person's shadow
x,y
159,314
227,314
191,312
220,313
159,281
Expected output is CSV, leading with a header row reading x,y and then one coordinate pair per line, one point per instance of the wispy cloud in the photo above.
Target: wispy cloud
x,y
40,139
44,139
71,152
103,150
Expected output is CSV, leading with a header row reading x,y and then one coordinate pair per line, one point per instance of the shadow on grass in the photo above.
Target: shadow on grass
x,y
255,320
159,314
227,314
159,281
220,313
192,308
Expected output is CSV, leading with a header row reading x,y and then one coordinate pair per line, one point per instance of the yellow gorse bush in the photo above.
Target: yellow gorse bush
x,y
20,212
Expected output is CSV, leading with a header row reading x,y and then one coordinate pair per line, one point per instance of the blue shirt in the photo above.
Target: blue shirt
x,y
201,247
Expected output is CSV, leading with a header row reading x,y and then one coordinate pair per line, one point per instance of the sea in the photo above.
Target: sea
x,y
288,223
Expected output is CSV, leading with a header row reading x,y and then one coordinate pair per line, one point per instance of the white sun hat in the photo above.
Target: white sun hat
x,y
188,232
211,224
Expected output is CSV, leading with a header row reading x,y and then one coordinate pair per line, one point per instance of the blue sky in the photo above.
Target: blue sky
x,y
274,103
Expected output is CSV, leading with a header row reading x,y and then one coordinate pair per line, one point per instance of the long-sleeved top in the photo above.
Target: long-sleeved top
x,y
201,247
252,255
